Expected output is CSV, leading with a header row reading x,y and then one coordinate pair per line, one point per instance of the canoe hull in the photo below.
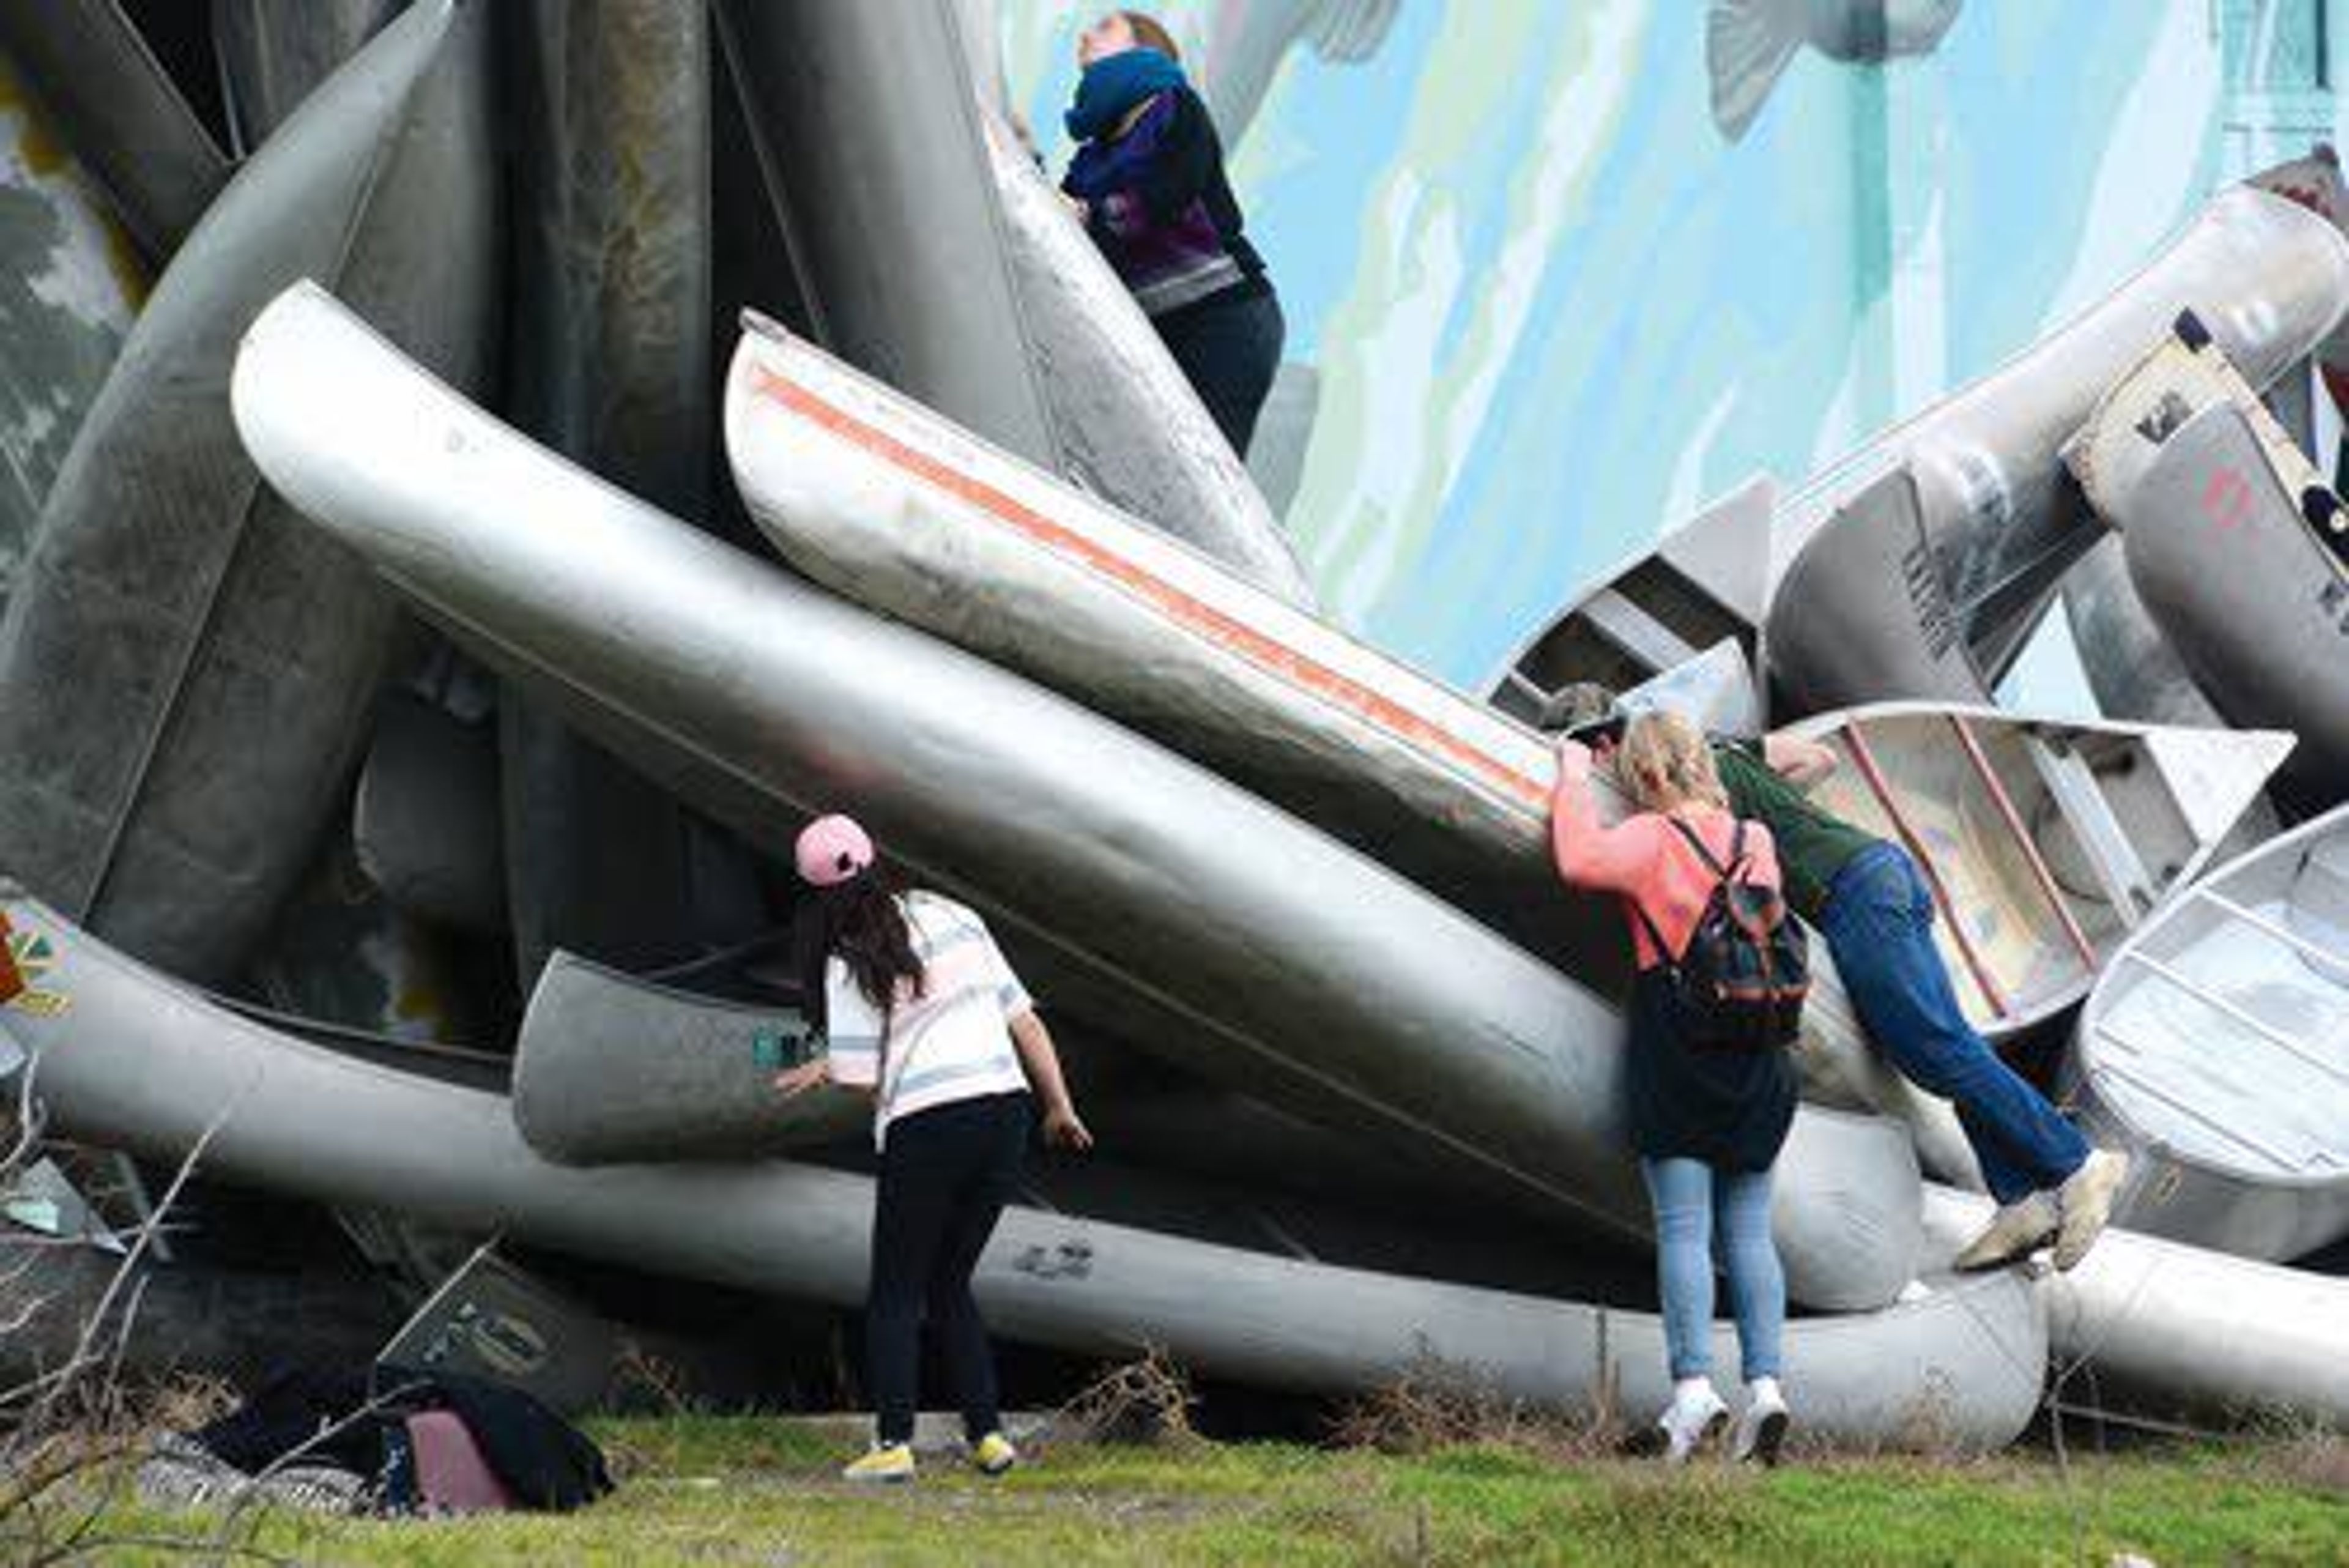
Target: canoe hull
x,y
771,700
237,654
138,1062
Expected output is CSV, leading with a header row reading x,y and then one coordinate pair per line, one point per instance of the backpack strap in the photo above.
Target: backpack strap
x,y
1736,846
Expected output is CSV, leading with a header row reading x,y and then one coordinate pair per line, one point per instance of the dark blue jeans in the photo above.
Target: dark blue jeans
x,y
1879,923
1228,346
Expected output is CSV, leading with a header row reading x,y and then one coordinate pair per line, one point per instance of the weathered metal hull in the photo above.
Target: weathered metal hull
x,y
2163,1329
609,1068
2044,843
274,53
68,290
138,1061
1705,581
888,203
611,344
1311,976
2217,1049
120,115
1965,506
2236,544
185,673
895,507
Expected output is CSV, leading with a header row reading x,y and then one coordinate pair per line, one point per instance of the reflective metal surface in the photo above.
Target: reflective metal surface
x,y
609,1068
2236,545
2171,1330
1994,525
184,676
2217,1049
1312,976
138,1062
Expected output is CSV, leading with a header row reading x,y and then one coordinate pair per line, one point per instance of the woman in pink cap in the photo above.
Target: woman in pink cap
x,y
918,1009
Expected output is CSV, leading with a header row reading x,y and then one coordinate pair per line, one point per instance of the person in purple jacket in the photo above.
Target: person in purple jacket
x,y
1148,182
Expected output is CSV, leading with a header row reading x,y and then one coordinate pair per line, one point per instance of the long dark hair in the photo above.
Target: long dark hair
x,y
861,922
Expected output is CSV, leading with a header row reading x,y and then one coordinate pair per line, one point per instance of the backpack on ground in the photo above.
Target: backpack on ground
x,y
1742,981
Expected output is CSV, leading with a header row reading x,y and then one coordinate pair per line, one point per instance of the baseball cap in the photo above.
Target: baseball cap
x,y
831,850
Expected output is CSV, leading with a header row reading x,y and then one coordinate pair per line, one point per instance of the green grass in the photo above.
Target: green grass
x,y
711,1490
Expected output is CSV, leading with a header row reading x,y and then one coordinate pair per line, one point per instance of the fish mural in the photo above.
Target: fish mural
x,y
1748,44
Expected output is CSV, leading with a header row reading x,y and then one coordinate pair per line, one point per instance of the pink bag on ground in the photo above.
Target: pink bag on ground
x,y
452,1476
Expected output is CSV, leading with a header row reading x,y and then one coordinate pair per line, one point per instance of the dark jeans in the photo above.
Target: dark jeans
x,y
1879,923
945,1175
1229,345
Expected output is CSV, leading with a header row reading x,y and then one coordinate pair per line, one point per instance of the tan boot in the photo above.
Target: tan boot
x,y
2085,1203
2018,1229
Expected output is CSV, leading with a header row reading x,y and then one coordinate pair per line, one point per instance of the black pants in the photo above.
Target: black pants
x,y
1228,346
945,1175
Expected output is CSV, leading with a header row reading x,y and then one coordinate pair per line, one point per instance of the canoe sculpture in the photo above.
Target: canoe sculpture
x,y
1964,507
139,1061
2044,843
185,673
120,114
2217,1046
1307,975
610,1068
2162,1329
896,508
2238,546
1705,581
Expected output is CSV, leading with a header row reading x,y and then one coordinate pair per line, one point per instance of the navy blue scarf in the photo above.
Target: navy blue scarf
x,y
1114,84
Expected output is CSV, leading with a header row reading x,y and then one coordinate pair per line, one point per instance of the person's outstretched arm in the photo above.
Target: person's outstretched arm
x,y
1041,1062
1800,762
1589,855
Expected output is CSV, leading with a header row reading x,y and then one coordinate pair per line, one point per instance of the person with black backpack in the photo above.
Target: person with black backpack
x,y
1720,979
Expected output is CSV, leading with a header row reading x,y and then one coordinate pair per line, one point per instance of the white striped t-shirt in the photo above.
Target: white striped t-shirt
x,y
951,1043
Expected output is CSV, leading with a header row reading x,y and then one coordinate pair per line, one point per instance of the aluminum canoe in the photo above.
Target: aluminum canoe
x,y
1706,581
2132,670
609,1067
120,115
1309,975
2044,843
2158,1328
1964,509
892,506
2216,1048
2238,546
138,1061
186,674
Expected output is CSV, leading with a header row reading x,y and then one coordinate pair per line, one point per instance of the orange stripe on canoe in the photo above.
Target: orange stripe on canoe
x,y
1187,609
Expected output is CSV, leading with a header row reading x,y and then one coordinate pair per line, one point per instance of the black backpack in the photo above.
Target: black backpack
x,y
1742,981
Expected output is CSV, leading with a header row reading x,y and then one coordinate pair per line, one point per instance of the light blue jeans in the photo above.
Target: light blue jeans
x,y
1695,1205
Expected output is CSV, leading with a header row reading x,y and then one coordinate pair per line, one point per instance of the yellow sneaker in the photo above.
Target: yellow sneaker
x,y
888,1462
993,1454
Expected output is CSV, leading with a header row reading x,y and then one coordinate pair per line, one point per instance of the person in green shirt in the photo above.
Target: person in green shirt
x,y
1866,897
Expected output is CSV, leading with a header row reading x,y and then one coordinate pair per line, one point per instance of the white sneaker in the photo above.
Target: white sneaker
x,y
2086,1201
1693,1420
1761,1428
2014,1232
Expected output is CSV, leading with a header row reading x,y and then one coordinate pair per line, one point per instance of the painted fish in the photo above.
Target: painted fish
x,y
1748,44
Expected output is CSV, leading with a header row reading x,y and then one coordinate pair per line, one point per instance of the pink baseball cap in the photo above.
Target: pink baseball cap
x,y
831,850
